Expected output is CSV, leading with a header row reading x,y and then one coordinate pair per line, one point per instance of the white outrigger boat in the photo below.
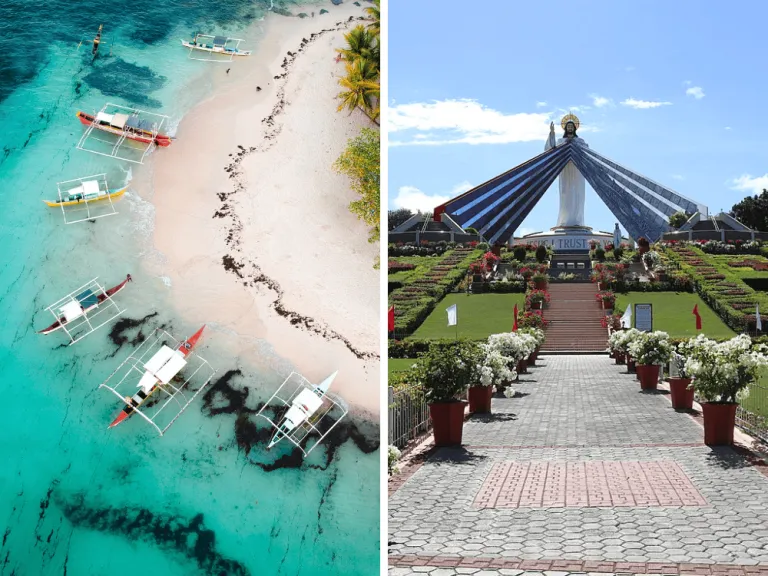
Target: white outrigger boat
x,y
215,45
153,370
307,406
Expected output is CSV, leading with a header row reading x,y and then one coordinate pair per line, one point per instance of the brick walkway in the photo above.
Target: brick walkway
x,y
582,473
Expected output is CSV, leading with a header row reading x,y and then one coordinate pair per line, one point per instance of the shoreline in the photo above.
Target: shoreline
x,y
252,221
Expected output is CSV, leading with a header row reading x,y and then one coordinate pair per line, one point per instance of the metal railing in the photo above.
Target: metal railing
x,y
408,415
752,413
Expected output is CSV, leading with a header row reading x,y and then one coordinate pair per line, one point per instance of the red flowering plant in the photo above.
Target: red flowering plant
x,y
612,322
477,268
537,297
395,266
607,298
602,277
473,243
526,272
532,319
490,259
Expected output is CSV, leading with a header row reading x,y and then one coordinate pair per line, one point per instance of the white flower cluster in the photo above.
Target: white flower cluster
x,y
724,370
503,351
494,370
620,340
650,347
393,455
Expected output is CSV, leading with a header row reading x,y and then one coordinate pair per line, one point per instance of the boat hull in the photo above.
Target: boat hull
x,y
112,194
137,136
58,325
139,398
214,51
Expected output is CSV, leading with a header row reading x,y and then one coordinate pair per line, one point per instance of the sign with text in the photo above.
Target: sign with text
x,y
644,317
564,242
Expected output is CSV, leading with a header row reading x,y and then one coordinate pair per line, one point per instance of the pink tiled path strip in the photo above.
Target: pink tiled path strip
x,y
543,484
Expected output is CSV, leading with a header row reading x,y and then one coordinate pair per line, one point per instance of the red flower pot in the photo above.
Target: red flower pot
x,y
648,374
532,358
620,358
535,305
682,397
522,367
447,422
602,286
719,420
631,364
540,284
480,399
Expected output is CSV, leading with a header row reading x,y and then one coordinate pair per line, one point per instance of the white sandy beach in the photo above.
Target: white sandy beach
x,y
282,214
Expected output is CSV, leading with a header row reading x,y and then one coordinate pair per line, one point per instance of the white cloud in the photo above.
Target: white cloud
x,y
643,104
629,69
678,177
695,91
600,101
727,127
751,184
418,201
464,122
540,104
687,82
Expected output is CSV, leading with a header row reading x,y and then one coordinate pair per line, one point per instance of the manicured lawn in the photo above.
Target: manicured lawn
x,y
479,316
673,313
399,364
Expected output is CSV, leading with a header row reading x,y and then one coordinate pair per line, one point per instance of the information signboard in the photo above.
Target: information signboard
x,y
644,317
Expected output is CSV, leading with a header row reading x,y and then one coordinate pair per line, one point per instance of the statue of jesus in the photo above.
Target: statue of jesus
x,y
572,185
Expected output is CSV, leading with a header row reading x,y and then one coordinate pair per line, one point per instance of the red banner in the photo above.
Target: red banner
x,y
391,322
514,326
698,318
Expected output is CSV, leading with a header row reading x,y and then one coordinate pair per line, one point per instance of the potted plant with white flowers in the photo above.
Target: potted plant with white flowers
x,y
539,337
650,350
722,374
494,370
445,371
680,389
512,347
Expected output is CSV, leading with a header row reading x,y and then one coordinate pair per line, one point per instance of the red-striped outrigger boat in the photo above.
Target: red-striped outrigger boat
x,y
129,126
79,305
158,371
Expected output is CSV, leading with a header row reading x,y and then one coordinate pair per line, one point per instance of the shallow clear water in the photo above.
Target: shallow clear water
x,y
75,498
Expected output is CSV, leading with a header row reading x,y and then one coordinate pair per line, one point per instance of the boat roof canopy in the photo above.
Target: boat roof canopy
x,y
138,123
118,120
219,40
165,364
87,298
91,187
104,117
71,311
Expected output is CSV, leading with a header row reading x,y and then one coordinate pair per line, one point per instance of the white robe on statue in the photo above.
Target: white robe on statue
x,y
572,188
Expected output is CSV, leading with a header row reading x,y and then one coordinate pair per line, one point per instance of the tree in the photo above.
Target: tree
x,y
678,219
753,211
362,43
361,89
397,217
360,161
375,13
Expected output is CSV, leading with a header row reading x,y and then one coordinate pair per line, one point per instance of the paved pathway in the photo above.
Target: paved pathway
x,y
581,473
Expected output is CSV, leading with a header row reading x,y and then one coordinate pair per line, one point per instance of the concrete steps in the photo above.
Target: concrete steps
x,y
574,320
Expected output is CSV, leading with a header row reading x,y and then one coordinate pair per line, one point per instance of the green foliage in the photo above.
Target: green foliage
x,y
678,219
753,211
520,253
479,316
397,217
360,161
618,252
447,369
483,246
470,230
541,253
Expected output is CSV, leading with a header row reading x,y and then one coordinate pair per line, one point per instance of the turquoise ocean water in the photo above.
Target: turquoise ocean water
x,y
77,499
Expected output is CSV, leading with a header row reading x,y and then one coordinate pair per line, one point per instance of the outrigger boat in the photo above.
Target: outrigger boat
x,y
129,126
158,371
220,45
304,411
97,40
80,305
87,191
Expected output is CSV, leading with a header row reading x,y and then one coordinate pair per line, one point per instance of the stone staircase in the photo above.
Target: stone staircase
x,y
574,320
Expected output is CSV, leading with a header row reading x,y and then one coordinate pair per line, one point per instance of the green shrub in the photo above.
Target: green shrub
x,y
520,253
541,253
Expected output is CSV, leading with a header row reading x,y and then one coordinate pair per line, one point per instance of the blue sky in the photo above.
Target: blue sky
x,y
675,91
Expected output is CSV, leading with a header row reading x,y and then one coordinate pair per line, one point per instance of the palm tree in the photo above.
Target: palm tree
x,y
361,43
375,13
361,88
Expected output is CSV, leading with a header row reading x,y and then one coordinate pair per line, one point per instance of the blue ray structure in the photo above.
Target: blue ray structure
x,y
498,207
